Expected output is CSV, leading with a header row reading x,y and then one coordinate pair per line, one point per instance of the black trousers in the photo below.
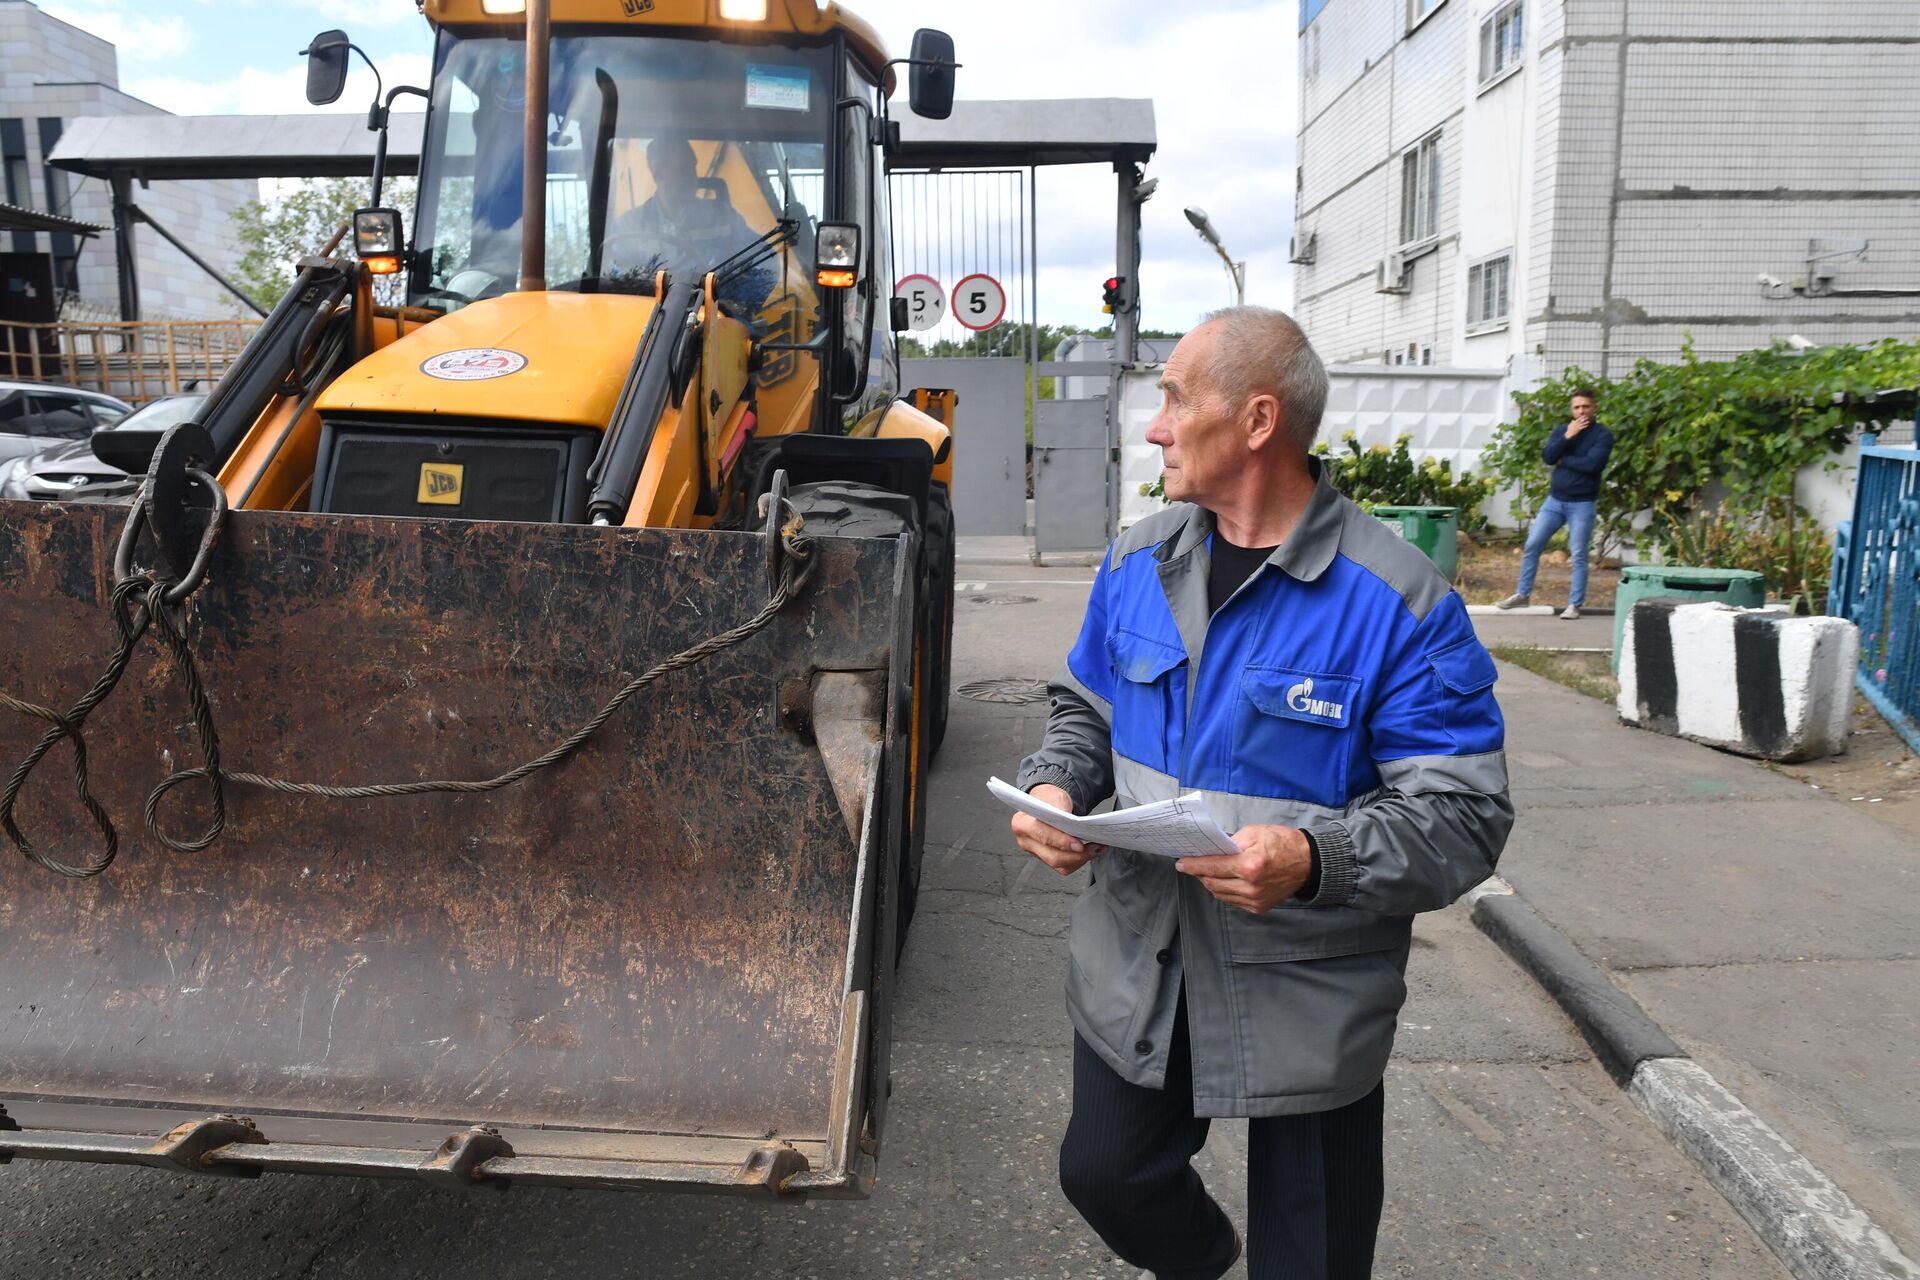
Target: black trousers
x,y
1314,1182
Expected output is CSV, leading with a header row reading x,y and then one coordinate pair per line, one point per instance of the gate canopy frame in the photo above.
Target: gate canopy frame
x,y
981,133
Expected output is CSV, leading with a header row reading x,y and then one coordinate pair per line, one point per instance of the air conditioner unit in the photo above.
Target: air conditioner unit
x,y
1390,274
1304,252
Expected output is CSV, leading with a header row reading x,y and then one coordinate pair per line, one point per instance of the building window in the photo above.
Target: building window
x,y
1503,41
1420,192
1417,11
13,154
1417,353
1489,290
59,194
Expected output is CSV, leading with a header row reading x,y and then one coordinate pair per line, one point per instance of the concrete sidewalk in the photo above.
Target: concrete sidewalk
x,y
1764,926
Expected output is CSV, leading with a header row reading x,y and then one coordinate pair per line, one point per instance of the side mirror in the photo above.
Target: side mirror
x,y
326,67
930,78
128,448
901,315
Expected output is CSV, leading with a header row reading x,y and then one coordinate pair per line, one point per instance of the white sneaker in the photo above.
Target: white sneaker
x,y
1570,613
1515,601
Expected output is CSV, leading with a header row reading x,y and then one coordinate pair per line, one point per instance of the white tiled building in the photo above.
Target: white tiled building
x,y
1530,184
51,72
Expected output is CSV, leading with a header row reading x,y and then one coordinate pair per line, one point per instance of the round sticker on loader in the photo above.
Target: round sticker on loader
x,y
474,364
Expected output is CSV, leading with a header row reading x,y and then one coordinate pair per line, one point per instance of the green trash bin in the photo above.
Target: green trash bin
x,y
1435,530
1742,587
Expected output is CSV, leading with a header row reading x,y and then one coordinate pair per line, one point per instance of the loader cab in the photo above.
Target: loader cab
x,y
670,149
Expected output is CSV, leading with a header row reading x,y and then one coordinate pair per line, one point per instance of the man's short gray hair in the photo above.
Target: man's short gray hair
x,y
1260,351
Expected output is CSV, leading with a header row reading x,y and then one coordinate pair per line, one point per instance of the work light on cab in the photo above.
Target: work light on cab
x,y
743,10
836,255
377,240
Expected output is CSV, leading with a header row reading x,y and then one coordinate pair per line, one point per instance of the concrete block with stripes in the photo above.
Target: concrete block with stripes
x,y
1759,682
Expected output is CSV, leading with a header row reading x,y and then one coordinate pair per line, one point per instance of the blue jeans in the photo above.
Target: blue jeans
x,y
1578,518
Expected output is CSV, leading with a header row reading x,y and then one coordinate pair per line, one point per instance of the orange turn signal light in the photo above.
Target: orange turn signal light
x,y
833,278
383,264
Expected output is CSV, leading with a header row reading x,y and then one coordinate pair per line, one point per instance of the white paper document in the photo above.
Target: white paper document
x,y
1179,828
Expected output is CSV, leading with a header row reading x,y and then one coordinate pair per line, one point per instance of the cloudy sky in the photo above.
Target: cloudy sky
x,y
1220,73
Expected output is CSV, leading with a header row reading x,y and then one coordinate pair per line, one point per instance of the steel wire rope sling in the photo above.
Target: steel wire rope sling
x,y
143,598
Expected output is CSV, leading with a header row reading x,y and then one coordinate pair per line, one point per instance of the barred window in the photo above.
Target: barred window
x,y
1503,40
1420,192
1489,286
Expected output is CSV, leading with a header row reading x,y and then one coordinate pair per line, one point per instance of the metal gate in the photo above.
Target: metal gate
x,y
954,226
1876,581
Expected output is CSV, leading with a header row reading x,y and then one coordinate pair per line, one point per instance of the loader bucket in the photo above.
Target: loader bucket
x,y
665,963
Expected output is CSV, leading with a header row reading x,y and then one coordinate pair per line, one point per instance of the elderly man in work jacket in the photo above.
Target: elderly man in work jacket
x,y
1268,644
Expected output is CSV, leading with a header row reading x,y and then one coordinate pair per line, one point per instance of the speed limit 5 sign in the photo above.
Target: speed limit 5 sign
x,y
926,301
979,302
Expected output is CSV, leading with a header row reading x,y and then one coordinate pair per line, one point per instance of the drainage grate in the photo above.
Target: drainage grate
x,y
993,599
1007,691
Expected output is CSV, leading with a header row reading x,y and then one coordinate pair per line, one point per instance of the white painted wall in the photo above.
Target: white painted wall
x,y
1450,413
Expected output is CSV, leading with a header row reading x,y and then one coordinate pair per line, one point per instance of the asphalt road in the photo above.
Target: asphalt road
x,y
1510,1154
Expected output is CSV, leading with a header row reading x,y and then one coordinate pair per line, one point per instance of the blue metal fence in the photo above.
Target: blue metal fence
x,y
1876,582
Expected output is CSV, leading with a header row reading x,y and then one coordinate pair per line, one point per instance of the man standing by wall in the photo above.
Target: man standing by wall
x,y
1577,451
1267,643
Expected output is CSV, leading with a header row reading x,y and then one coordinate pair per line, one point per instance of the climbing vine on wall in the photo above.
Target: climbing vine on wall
x,y
1705,451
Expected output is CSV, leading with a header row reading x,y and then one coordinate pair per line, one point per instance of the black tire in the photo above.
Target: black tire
x,y
838,508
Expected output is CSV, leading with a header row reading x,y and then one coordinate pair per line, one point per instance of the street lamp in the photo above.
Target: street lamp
x,y
1238,270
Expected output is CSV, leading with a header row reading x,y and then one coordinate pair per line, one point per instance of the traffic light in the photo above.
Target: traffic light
x,y
1112,298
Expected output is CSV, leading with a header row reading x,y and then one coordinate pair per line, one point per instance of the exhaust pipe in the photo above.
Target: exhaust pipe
x,y
533,195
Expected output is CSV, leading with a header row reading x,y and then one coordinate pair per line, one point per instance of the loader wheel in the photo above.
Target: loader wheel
x,y
840,508
940,564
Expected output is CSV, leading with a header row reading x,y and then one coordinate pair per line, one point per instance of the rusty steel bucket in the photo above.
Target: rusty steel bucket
x,y
665,963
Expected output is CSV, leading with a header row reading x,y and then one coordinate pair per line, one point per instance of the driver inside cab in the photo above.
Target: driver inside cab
x,y
676,228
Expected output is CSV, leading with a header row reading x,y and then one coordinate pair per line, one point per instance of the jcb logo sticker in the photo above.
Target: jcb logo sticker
x,y
440,483
635,8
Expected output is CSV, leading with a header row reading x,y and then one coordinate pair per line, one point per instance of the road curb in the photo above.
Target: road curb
x,y
1809,1223
1621,1033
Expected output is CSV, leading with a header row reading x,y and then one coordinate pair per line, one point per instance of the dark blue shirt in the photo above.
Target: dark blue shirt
x,y
1577,463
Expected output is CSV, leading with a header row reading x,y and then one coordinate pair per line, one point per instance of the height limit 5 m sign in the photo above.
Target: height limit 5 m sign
x,y
979,302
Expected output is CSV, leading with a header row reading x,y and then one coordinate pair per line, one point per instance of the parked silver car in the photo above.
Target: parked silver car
x,y
35,416
72,470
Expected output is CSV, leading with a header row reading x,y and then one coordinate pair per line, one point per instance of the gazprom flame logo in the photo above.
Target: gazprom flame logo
x,y
1301,699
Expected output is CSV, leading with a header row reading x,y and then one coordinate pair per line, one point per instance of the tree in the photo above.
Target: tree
x,y
274,235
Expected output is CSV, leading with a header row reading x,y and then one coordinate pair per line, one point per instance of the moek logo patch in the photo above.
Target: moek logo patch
x,y
1300,698
440,483
473,364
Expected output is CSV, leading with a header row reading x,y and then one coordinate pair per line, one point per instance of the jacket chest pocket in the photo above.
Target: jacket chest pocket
x,y
1293,733
1149,699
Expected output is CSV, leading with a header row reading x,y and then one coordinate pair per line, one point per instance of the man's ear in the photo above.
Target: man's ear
x,y
1261,418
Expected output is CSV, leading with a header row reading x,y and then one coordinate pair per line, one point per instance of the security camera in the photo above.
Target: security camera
x,y
1799,342
1768,282
1144,192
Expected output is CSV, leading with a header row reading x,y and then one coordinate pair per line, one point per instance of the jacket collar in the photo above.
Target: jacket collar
x,y
1309,548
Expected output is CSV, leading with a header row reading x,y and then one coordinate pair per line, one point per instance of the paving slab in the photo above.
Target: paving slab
x,y
1840,1077
1767,927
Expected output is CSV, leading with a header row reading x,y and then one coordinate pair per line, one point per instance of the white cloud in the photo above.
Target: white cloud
x,y
281,91
1222,78
353,14
139,38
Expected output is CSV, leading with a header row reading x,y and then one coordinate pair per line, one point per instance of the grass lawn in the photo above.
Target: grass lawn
x,y
1588,673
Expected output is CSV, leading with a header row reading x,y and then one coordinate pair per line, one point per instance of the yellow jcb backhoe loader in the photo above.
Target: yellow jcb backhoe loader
x,y
492,748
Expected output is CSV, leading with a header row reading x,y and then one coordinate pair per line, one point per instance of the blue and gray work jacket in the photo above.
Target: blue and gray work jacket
x,y
1340,690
